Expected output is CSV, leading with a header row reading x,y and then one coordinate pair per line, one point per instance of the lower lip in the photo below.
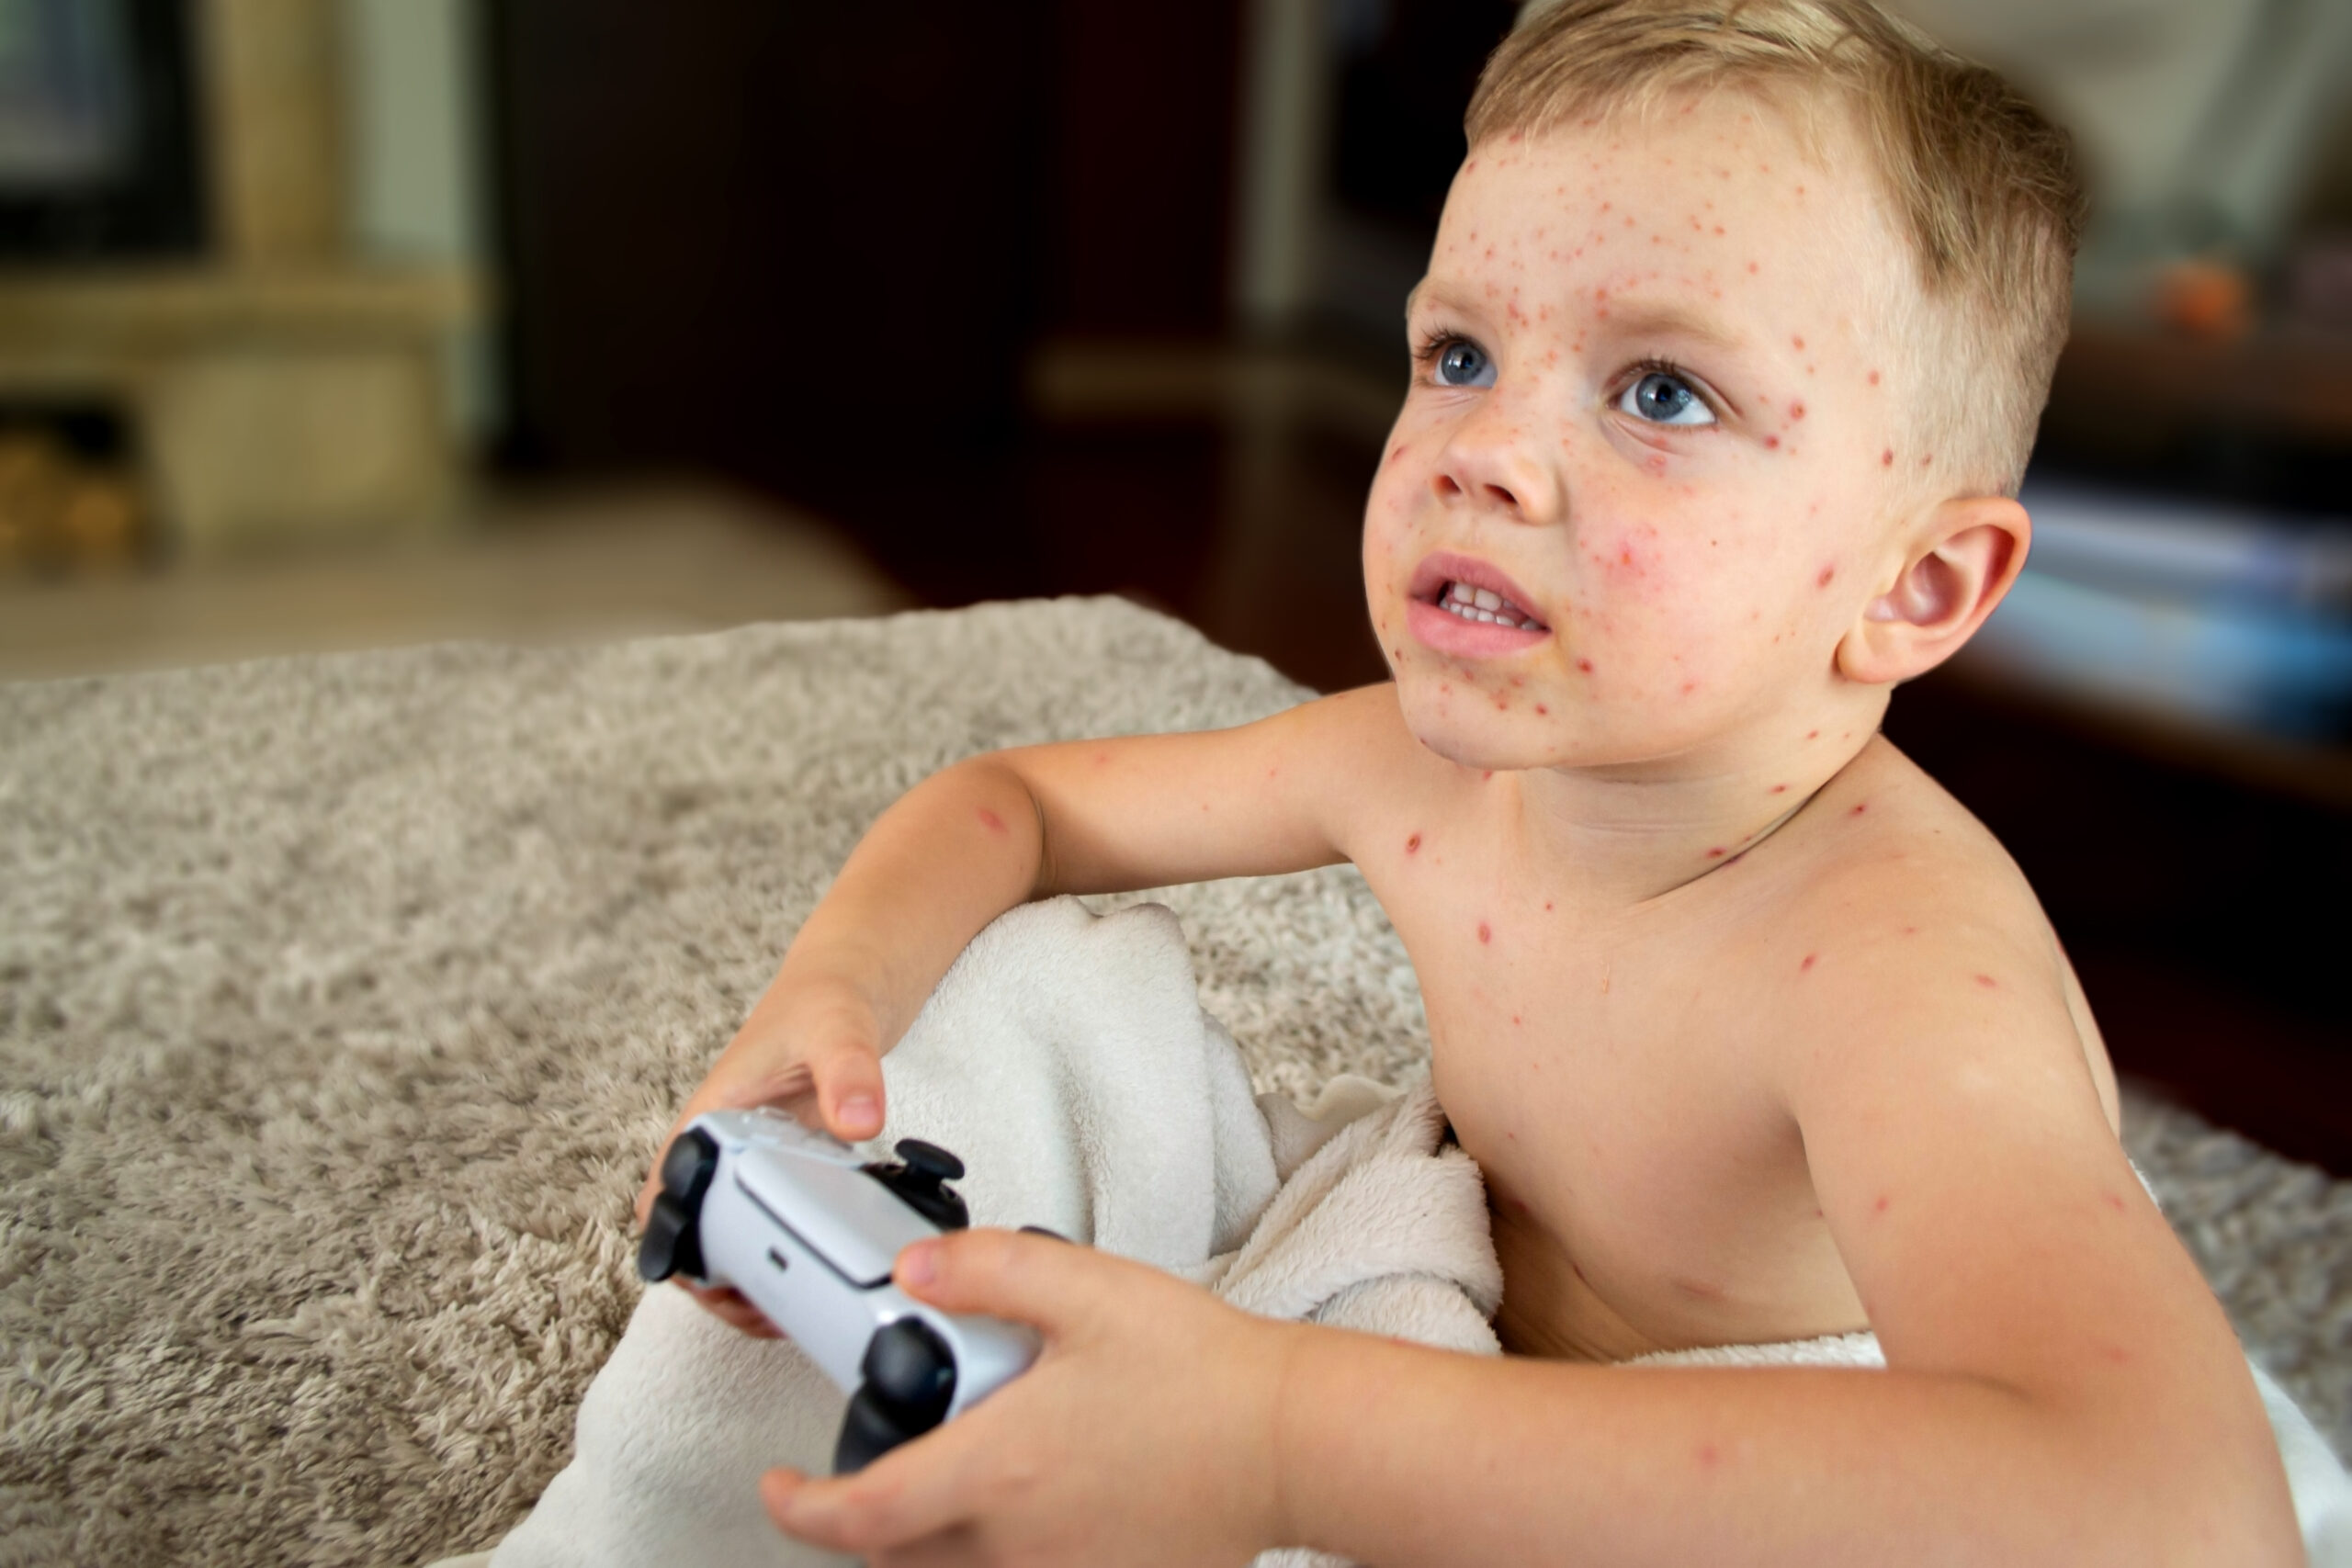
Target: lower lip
x,y
1446,632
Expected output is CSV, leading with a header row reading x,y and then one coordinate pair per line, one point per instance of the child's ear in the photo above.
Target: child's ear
x,y
1957,571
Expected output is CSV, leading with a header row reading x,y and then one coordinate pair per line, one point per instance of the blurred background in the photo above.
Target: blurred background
x,y
332,324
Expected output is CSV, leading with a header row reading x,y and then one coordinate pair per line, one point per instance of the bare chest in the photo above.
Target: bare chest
x,y
1646,1188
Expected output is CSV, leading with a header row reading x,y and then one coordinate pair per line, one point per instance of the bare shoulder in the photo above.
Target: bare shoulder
x,y
1908,927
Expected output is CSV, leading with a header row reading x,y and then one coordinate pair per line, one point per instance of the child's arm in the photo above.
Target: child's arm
x,y
995,830
2063,1388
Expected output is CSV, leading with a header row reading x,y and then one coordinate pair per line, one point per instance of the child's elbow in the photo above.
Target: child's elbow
x,y
2209,1497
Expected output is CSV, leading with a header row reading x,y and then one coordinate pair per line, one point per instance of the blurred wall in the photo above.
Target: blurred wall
x,y
418,150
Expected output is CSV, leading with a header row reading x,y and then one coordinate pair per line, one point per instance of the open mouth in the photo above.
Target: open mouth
x,y
1485,606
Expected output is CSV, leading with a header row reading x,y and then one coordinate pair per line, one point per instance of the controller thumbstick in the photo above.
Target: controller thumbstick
x,y
920,1180
910,1367
909,1378
929,1162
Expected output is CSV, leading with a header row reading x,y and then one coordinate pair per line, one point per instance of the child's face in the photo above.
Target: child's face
x,y
1656,408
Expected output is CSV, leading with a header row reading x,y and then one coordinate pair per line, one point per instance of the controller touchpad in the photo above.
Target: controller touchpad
x,y
847,1218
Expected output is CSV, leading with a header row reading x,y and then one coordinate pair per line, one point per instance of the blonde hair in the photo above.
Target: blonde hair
x,y
1982,188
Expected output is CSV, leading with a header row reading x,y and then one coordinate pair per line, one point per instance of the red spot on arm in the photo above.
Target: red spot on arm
x,y
991,821
1542,710
1879,1207
1778,789
1886,459
1709,1456
1827,574
2115,1203
1873,378
1800,343
1547,905
1486,932
1413,845
1860,809
1716,854
1796,411
1988,982
1810,959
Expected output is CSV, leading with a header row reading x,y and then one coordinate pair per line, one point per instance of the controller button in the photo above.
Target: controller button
x,y
909,1368
669,1245
687,1167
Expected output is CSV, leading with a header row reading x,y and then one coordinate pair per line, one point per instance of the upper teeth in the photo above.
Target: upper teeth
x,y
1486,604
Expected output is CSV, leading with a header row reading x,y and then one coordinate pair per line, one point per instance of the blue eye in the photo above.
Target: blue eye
x,y
1461,363
1663,397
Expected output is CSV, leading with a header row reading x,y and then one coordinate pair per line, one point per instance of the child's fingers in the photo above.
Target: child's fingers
x,y
731,1307
849,1086
907,1495
1041,1280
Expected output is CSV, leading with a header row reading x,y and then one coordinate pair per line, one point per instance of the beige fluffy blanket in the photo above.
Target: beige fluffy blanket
x,y
342,999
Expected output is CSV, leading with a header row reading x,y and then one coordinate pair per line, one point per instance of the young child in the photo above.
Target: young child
x,y
1729,356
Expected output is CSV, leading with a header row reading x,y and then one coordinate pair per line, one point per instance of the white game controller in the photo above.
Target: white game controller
x,y
807,1230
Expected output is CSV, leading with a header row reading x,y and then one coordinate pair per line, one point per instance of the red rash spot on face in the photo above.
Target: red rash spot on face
x,y
1708,1456
2115,1203
1413,845
1987,982
1800,343
1809,959
1487,776
1827,573
991,821
1751,266
1879,1207
1585,665
1540,710
1812,734
1486,932
1778,789
1716,854
1101,758
1860,809
1397,455
1773,442
1796,411
1873,378
1886,459
1514,1021
2116,1353
1547,905
1689,687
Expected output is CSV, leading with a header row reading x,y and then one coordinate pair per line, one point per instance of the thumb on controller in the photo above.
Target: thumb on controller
x,y
1050,1285
848,1077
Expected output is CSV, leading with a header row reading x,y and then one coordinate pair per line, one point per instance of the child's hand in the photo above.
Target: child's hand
x,y
1144,1432
809,1051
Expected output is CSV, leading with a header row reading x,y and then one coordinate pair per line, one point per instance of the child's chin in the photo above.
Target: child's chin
x,y
1499,741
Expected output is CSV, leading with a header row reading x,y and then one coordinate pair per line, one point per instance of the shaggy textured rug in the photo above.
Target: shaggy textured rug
x,y
343,998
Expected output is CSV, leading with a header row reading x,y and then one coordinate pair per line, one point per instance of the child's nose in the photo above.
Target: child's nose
x,y
1492,462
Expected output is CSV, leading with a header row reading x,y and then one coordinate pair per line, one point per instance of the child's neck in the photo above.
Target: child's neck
x,y
1624,836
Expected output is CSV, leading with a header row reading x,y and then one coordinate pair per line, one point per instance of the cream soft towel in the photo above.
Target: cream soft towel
x,y
1067,1060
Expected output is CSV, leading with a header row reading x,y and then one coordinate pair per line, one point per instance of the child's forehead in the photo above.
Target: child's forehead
x,y
1710,199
